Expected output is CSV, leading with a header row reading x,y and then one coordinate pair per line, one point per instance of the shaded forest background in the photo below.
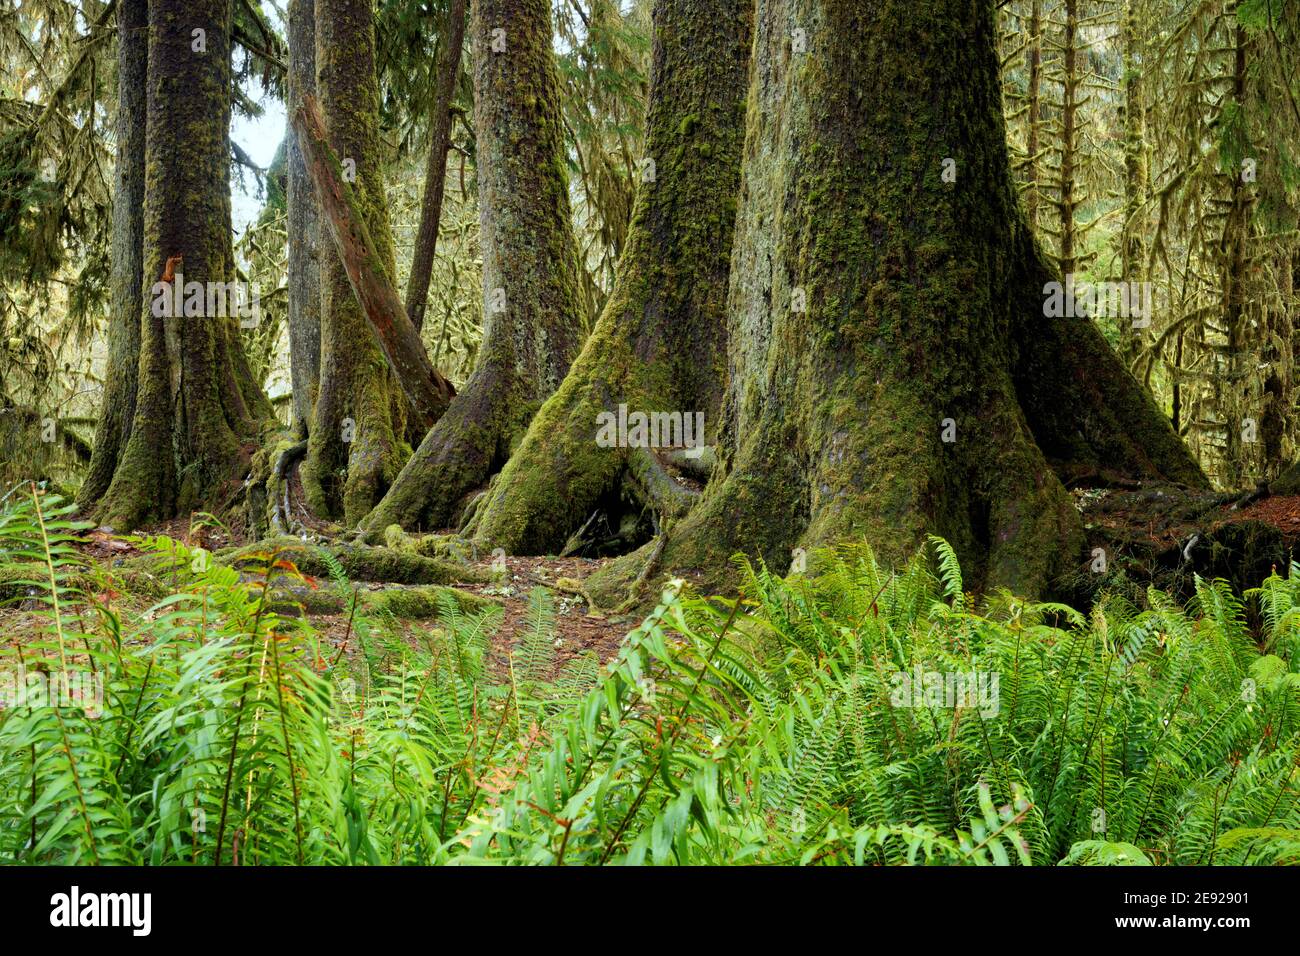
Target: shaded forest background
x,y
1128,143
1151,142
292,661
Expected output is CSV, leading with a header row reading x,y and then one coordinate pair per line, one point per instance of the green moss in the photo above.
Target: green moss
x,y
421,603
359,562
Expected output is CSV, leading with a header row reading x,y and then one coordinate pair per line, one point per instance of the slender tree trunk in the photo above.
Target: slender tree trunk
x,y
912,391
1033,118
117,410
1133,252
344,215
1069,138
1278,391
303,228
198,412
354,447
533,306
1236,230
660,343
435,177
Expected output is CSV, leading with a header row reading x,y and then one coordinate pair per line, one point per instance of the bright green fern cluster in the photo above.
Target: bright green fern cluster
x,y
867,715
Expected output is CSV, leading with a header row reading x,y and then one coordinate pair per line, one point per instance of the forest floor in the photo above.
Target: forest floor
x,y
1156,536
577,630
1164,536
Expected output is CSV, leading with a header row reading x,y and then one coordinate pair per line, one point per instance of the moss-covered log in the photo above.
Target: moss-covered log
x,y
359,562
659,345
533,308
892,372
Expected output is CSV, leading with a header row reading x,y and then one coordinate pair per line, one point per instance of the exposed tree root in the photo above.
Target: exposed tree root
x,y
360,562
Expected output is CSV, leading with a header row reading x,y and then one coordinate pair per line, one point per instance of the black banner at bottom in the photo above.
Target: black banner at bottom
x,y
142,906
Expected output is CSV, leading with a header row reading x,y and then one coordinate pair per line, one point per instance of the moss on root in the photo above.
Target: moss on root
x,y
422,603
359,562
659,344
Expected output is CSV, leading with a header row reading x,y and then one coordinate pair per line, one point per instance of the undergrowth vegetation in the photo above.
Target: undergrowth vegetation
x,y
860,716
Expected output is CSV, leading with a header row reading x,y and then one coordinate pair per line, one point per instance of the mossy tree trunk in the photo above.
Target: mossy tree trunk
x,y
533,311
117,409
660,343
920,388
355,446
1132,237
303,228
435,176
1034,108
198,413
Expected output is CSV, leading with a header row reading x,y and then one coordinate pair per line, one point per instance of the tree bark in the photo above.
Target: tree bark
x,y
1132,237
1033,118
303,228
426,388
355,446
660,342
533,310
117,409
198,412
920,387
435,177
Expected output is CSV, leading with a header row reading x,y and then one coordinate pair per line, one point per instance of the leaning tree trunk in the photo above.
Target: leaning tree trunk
x,y
435,177
304,235
660,343
118,407
198,412
912,391
355,448
533,306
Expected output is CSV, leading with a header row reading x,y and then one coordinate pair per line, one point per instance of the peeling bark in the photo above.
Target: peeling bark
x,y
426,388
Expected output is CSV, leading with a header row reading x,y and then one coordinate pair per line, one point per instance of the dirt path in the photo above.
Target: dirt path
x,y
577,631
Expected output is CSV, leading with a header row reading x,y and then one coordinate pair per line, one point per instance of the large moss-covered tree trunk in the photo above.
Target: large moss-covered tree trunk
x,y
355,447
532,305
117,409
303,229
198,413
891,369
660,344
